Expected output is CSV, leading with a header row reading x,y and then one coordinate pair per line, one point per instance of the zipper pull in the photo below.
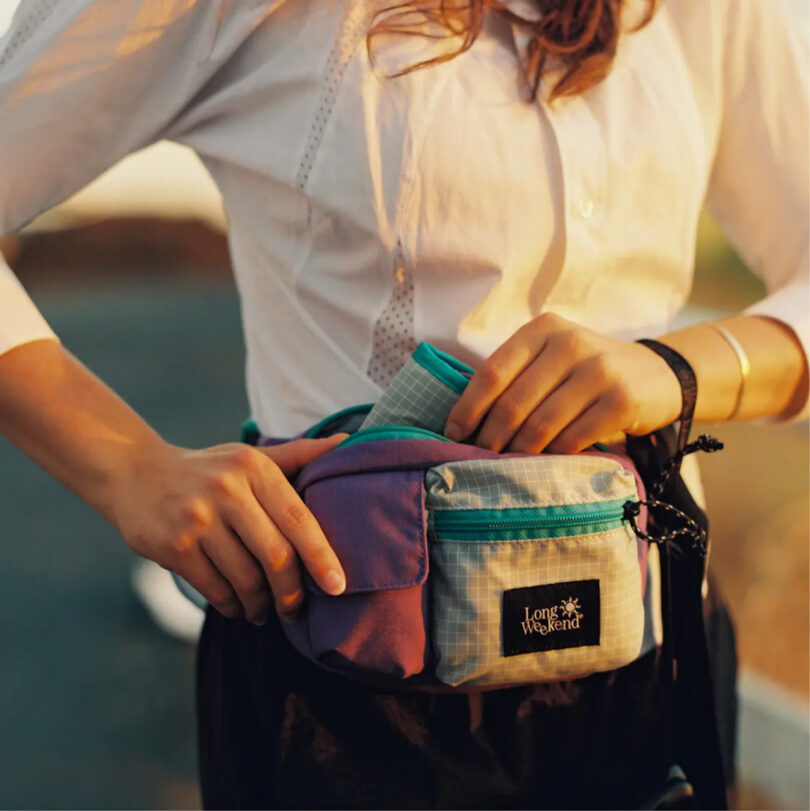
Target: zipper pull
x,y
690,527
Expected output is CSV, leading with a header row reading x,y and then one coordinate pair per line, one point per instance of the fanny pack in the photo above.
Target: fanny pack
x,y
469,570
466,568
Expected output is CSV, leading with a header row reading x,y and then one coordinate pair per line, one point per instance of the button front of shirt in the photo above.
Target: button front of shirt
x,y
584,207
368,213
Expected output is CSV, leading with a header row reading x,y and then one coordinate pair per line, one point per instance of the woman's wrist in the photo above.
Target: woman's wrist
x,y
117,473
775,384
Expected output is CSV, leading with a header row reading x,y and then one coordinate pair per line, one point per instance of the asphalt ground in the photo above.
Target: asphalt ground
x,y
96,705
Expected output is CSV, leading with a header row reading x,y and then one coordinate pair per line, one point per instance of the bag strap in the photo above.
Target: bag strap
x,y
671,468
690,716
688,380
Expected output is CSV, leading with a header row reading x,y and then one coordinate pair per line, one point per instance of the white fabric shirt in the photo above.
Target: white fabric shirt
x,y
367,214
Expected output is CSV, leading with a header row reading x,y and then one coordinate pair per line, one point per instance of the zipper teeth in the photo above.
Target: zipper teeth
x,y
360,435
412,429
459,523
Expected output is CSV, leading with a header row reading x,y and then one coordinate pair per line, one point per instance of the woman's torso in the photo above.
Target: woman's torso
x,y
367,214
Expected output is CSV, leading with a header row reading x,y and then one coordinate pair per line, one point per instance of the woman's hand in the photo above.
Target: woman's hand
x,y
227,520
558,386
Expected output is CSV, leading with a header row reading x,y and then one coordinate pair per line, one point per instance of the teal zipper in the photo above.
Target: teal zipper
x,y
338,415
379,432
526,523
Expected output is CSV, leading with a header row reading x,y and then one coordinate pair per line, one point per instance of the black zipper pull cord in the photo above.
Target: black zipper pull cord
x,y
690,527
704,442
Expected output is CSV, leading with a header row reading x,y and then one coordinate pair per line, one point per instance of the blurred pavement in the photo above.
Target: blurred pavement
x,y
96,705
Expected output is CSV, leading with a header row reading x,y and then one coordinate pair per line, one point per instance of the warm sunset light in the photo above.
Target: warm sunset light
x,y
390,389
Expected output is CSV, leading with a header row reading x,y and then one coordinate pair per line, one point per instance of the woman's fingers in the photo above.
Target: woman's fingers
x,y
241,570
198,570
227,520
266,527
296,523
589,427
531,393
491,380
292,456
521,398
559,410
271,549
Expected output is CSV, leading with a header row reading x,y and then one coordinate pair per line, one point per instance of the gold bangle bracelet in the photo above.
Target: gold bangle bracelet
x,y
745,365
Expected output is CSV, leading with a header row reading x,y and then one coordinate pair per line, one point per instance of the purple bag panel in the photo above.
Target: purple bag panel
x,y
376,524
369,499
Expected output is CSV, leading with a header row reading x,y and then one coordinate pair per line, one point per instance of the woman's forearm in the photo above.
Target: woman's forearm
x,y
68,421
226,518
777,382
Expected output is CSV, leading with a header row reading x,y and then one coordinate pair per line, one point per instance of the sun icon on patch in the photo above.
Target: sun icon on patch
x,y
571,608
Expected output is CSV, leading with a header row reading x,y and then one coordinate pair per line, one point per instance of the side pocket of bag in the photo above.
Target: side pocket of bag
x,y
376,524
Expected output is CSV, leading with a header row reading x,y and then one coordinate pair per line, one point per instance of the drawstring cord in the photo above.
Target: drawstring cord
x,y
704,442
689,527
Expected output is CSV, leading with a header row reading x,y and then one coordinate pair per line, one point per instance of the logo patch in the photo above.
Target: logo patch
x,y
551,617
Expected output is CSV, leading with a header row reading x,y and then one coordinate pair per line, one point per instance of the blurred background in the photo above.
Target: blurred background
x,y
96,702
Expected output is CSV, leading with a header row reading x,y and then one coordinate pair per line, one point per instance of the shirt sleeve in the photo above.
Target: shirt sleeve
x,y
82,84
758,190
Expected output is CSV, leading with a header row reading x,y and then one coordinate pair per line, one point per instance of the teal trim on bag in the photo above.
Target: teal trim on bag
x,y
600,446
337,415
443,366
250,431
525,523
377,433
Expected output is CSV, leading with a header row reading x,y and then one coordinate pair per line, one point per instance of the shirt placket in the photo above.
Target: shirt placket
x,y
583,162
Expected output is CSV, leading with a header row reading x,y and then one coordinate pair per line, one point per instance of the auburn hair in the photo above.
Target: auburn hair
x,y
580,36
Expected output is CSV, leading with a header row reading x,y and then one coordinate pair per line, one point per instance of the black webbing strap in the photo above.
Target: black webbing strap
x,y
684,525
690,717
686,377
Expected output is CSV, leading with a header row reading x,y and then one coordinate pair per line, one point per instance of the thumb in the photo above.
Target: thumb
x,y
292,456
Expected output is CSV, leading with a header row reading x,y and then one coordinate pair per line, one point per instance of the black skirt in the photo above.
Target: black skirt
x,y
275,731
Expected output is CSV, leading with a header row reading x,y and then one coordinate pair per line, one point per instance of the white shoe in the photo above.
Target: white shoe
x,y
172,612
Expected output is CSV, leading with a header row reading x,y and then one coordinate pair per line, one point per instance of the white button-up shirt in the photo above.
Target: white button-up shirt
x,y
435,206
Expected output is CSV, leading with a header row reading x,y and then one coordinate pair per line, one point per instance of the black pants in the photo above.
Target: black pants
x,y
275,731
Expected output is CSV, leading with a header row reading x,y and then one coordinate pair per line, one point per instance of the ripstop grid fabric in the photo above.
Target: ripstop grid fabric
x,y
414,397
468,580
538,481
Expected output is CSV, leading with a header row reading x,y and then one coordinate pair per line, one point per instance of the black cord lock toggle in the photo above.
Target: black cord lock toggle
x,y
688,526
704,442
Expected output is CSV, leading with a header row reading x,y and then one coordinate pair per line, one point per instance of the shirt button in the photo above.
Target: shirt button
x,y
584,207
399,275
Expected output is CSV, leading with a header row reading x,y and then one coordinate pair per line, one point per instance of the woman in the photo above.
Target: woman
x,y
528,202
